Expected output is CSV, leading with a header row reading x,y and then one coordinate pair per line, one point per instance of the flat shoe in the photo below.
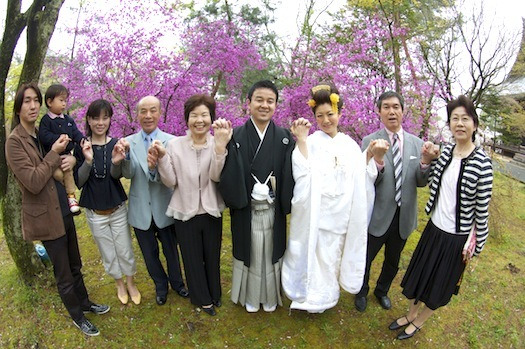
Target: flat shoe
x,y
384,301
404,335
360,303
269,308
183,292
210,311
98,309
394,326
161,300
251,309
136,298
123,298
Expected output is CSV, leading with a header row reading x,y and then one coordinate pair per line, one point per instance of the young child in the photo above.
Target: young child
x,y
52,125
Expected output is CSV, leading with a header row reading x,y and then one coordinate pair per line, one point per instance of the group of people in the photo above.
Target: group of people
x,y
346,202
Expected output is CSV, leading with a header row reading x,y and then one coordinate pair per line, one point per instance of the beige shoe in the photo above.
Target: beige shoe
x,y
123,297
135,298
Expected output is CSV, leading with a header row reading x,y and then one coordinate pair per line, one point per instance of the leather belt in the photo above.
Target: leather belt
x,y
108,211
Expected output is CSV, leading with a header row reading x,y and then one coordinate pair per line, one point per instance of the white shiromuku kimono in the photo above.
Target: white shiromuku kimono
x,y
331,207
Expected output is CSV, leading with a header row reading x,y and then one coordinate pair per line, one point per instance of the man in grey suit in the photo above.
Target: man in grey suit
x,y
149,199
394,216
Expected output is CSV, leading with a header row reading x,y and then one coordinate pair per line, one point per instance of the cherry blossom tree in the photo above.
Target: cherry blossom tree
x,y
121,57
355,55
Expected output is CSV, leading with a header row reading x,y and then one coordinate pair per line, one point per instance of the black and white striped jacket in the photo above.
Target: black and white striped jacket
x,y
473,192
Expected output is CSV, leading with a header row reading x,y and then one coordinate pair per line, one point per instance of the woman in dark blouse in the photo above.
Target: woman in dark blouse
x,y
104,199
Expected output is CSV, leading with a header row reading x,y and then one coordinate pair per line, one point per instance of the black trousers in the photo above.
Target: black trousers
x,y
394,245
149,246
65,256
200,244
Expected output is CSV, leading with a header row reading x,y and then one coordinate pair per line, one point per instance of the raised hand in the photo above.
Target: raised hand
x,y
429,152
87,150
300,129
120,150
61,143
377,149
158,148
153,156
222,134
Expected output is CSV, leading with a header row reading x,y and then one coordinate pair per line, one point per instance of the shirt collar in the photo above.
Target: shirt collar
x,y
54,116
391,134
153,134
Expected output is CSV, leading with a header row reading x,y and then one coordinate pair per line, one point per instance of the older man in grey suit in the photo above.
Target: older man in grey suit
x,y
149,199
395,208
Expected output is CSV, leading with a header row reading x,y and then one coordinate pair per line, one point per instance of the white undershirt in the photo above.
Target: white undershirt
x,y
444,214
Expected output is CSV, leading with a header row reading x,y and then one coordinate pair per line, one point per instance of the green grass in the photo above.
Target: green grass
x,y
488,312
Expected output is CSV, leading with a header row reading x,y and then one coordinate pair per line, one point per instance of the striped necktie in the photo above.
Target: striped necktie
x,y
397,168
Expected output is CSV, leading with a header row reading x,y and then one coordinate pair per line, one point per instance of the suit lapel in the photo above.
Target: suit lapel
x,y
31,143
140,152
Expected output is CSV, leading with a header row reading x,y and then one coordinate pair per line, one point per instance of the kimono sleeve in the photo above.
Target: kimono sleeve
x,y
232,183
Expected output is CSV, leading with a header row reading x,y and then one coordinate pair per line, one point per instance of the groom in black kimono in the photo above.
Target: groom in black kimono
x,y
257,185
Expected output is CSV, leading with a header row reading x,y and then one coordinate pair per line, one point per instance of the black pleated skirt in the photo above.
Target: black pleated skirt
x,y
436,267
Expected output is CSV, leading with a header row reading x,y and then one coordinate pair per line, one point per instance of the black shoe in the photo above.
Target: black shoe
x,y
209,311
385,302
217,303
404,335
360,303
394,326
183,292
161,300
98,309
87,327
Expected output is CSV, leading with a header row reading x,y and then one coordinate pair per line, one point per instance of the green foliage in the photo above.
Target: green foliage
x,y
503,115
10,89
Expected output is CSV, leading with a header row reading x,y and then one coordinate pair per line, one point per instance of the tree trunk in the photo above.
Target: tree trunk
x,y
41,20
40,27
14,25
395,51
23,253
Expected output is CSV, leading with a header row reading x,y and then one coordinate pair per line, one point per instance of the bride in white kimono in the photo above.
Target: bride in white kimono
x,y
332,199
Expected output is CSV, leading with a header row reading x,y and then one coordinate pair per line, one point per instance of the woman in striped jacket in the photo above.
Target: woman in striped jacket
x,y
460,190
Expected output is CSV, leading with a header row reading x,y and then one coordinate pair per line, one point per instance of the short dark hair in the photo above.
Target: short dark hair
x,y
95,108
19,99
390,94
263,84
197,100
54,91
322,95
463,101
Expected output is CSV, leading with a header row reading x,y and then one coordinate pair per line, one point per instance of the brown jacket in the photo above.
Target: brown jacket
x,y
41,213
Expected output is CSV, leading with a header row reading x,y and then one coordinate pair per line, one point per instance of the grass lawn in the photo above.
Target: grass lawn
x,y
489,311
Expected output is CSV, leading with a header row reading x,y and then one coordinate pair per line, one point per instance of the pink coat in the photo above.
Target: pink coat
x,y
194,178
